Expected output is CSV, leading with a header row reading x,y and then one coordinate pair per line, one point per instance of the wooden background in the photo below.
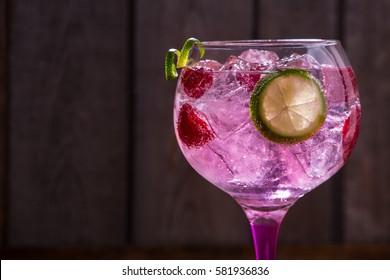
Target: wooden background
x,y
88,157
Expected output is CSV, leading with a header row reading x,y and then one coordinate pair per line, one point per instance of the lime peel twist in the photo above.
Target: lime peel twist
x,y
182,57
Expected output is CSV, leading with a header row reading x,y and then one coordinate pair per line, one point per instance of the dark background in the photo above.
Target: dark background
x,y
90,167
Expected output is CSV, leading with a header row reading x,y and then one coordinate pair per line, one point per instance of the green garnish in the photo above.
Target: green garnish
x,y
288,106
182,57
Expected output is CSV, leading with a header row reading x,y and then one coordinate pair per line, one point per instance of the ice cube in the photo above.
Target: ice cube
x,y
243,154
259,56
249,65
251,60
340,85
248,79
208,64
228,109
304,61
235,63
321,156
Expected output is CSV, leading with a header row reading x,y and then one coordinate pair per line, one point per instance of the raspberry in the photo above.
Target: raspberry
x,y
248,80
350,132
192,129
195,81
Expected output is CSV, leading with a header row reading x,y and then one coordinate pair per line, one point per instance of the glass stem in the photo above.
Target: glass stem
x,y
265,228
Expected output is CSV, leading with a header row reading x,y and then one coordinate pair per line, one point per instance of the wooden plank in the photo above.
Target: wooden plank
x,y
285,252
3,118
367,196
68,123
172,203
298,19
311,219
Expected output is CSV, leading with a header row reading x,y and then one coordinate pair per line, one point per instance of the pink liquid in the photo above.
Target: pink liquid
x,y
264,236
260,174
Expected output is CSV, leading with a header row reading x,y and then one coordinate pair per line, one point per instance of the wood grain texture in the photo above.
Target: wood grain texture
x,y
172,203
298,19
311,219
68,123
367,197
285,252
80,98
3,118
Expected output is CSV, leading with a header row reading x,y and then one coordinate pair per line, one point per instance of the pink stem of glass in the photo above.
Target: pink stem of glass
x,y
265,228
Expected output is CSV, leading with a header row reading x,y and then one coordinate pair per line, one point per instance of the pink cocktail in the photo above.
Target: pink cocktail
x,y
303,86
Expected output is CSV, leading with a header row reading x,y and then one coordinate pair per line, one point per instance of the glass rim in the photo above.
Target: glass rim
x,y
271,43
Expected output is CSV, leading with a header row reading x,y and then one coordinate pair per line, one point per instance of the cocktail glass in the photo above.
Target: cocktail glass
x,y
260,161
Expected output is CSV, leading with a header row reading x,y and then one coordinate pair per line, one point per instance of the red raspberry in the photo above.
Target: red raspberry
x,y
195,81
192,129
350,132
249,80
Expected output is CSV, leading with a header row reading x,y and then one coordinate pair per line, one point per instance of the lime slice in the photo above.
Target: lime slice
x,y
288,106
182,57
